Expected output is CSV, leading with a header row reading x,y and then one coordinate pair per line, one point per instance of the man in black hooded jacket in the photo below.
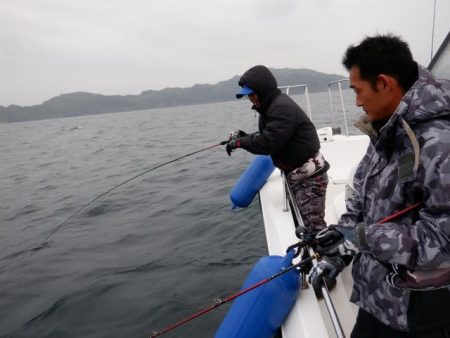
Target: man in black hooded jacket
x,y
290,138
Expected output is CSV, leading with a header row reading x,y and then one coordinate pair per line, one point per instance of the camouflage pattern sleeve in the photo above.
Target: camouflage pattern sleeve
x,y
425,244
353,215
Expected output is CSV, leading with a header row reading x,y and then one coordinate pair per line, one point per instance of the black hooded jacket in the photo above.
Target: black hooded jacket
x,y
286,133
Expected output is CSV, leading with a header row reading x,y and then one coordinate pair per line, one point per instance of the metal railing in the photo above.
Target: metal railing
x,y
289,197
305,93
338,82
330,86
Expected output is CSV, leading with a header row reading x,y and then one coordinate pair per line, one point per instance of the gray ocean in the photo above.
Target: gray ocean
x,y
146,255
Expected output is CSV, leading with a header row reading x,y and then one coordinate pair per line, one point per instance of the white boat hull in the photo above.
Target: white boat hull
x,y
309,317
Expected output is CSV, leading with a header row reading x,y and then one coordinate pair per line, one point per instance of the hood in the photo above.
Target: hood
x,y
261,80
427,99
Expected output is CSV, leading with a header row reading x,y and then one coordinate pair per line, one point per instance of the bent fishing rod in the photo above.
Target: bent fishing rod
x,y
44,241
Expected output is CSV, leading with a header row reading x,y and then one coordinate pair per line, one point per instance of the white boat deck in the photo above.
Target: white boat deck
x,y
309,317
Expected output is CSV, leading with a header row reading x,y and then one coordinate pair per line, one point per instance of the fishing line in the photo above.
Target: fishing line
x,y
44,242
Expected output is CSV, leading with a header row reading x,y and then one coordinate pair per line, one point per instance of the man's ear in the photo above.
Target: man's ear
x,y
386,82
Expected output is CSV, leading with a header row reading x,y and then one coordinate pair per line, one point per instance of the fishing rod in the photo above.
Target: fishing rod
x,y
308,240
44,242
321,239
400,213
220,302
311,239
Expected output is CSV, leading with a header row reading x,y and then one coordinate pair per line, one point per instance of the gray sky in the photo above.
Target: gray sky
x,y
50,47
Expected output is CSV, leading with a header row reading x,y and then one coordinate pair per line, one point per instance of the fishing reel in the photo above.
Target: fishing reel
x,y
306,237
306,240
234,135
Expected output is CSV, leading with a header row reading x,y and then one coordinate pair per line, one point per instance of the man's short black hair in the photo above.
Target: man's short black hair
x,y
383,54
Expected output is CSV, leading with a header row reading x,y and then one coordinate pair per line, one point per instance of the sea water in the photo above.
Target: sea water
x,y
144,256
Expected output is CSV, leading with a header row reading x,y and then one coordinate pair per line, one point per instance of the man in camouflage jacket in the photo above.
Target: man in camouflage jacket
x,y
401,267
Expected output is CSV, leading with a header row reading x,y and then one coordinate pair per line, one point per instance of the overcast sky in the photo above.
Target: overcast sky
x,y
50,47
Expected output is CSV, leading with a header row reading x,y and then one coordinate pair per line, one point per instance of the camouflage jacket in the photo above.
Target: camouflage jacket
x,y
407,161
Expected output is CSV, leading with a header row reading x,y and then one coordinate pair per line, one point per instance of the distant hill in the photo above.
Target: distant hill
x,y
81,103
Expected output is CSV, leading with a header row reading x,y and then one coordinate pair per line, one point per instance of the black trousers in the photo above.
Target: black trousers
x,y
368,326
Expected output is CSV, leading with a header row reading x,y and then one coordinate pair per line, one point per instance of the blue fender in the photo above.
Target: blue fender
x,y
251,181
260,312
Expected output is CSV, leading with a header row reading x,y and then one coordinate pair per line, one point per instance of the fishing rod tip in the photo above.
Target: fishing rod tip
x,y
40,246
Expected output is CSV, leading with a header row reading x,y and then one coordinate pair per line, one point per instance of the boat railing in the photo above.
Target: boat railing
x,y
290,202
331,86
305,93
344,112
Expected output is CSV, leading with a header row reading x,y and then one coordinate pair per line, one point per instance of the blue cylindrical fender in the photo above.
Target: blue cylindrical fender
x,y
251,181
260,312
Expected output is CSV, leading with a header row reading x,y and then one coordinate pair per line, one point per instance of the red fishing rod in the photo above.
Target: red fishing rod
x,y
220,302
298,246
400,213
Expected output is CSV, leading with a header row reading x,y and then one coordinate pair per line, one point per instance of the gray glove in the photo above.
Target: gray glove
x,y
338,239
327,269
